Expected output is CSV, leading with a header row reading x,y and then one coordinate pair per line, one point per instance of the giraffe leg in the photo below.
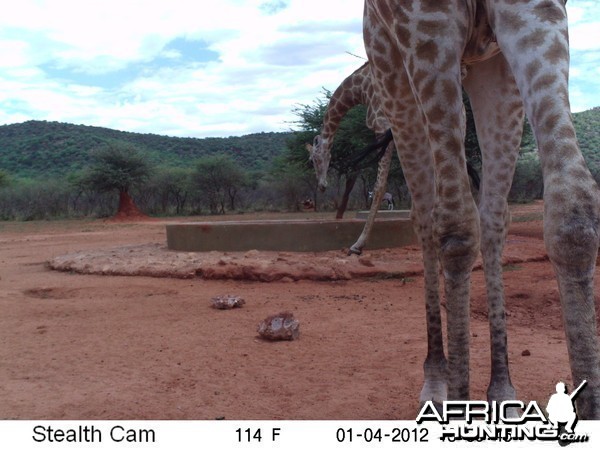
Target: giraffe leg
x,y
383,170
436,83
498,112
417,163
534,38
431,58
435,367
416,159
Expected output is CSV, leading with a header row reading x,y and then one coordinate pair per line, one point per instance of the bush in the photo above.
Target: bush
x,y
34,200
528,184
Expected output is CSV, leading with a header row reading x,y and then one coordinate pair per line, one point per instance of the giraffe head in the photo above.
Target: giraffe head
x,y
320,157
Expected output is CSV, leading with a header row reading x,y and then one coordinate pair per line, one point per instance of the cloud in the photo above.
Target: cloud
x,y
189,50
170,67
584,42
294,52
274,6
182,68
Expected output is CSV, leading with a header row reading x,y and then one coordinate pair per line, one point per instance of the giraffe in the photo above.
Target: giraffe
x,y
354,90
512,58
357,89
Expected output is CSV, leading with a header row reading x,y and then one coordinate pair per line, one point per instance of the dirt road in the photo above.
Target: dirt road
x,y
76,346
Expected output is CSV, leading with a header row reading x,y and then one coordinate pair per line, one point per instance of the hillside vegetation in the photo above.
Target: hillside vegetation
x,y
587,125
527,182
39,148
46,169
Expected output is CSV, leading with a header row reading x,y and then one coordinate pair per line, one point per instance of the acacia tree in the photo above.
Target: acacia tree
x,y
218,179
167,192
4,178
350,140
292,181
118,167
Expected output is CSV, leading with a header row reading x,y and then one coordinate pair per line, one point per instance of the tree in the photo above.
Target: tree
x,y
351,138
218,179
472,150
167,192
528,182
118,166
4,179
176,186
293,181
350,141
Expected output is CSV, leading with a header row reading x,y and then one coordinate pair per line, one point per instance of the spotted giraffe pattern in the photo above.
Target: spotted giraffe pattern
x,y
510,55
354,90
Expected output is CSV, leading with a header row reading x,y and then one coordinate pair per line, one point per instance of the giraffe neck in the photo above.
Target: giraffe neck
x,y
349,94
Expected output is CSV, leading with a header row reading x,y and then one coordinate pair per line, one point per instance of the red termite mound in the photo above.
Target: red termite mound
x,y
128,210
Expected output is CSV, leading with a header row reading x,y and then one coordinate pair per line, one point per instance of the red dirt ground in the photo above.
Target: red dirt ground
x,y
76,346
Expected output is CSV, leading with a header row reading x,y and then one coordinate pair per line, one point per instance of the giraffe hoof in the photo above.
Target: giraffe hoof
x,y
354,251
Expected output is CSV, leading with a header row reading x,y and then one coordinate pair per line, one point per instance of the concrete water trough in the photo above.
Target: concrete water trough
x,y
286,235
386,214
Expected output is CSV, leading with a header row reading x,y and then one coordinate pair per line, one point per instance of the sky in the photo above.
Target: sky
x,y
199,68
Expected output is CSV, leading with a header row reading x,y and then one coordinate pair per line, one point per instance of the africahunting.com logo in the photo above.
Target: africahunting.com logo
x,y
511,420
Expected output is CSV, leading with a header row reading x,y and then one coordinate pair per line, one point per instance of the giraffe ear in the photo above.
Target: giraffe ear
x,y
309,148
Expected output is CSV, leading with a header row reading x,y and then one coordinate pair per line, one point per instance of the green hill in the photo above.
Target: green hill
x,y
40,148
587,126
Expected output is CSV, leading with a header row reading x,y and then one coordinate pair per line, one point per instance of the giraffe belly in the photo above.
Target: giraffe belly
x,y
481,44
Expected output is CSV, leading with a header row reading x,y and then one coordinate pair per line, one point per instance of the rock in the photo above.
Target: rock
x,y
525,353
227,302
280,327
